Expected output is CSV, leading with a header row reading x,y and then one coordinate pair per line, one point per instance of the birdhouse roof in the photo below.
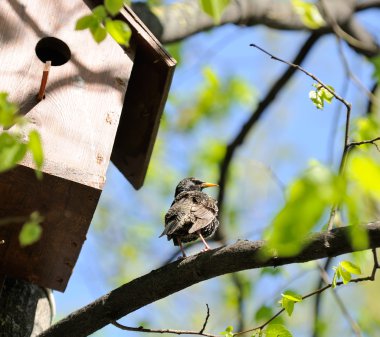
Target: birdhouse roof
x,y
145,99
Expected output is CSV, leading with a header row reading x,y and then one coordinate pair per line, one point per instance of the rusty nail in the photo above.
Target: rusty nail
x,y
45,74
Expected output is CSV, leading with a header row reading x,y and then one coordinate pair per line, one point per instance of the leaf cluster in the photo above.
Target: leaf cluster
x,y
13,147
344,271
100,23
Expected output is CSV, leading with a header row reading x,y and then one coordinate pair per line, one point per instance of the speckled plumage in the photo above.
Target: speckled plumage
x,y
192,215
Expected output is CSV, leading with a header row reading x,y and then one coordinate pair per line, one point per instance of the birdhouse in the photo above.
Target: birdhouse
x,y
100,103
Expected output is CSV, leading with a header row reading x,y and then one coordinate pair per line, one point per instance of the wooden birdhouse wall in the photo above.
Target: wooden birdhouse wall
x,y
77,120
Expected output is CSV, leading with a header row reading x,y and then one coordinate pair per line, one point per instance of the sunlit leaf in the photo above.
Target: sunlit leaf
x,y
35,147
100,13
309,14
365,171
366,128
228,332
214,8
321,95
346,276
351,267
277,330
308,198
86,22
119,30
98,33
292,296
31,231
8,111
12,151
113,6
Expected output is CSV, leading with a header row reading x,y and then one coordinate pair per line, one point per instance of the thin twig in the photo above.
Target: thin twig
x,y
315,78
169,331
206,320
370,141
240,137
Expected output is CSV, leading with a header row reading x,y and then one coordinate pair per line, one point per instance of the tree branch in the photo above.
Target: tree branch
x,y
179,275
163,20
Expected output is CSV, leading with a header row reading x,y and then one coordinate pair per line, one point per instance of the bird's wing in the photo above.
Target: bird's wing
x,y
177,215
203,214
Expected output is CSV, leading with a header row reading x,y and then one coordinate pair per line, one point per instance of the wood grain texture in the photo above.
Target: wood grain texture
x,y
78,118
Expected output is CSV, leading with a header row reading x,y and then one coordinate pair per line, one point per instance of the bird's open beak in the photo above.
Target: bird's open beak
x,y
204,185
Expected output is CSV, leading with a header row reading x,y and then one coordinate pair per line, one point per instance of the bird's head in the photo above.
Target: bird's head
x,y
191,184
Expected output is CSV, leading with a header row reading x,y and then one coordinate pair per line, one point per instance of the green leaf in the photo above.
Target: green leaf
x,y
12,151
119,30
346,276
308,199
344,271
85,22
100,13
98,33
288,305
214,8
351,267
228,332
277,330
309,14
8,111
370,181
113,6
321,95
31,231
35,147
292,296
335,278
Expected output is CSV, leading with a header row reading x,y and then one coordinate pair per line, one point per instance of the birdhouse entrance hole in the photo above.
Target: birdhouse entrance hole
x,y
54,50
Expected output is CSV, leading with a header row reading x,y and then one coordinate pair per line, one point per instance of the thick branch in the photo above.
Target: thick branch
x,y
179,20
179,275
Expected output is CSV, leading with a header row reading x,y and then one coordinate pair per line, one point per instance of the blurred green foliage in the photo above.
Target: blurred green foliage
x,y
309,14
214,8
214,99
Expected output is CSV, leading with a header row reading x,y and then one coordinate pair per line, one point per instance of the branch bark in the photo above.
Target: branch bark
x,y
181,274
179,20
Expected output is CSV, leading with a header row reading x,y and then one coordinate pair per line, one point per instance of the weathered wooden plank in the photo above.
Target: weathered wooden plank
x,y
78,118
67,208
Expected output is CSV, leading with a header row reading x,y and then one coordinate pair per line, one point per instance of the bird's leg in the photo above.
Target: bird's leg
x,y
207,247
180,246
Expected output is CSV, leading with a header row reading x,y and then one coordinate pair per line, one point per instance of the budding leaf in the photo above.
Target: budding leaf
x,y
277,330
351,267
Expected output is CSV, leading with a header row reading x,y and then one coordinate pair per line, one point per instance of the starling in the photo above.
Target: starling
x,y
192,215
